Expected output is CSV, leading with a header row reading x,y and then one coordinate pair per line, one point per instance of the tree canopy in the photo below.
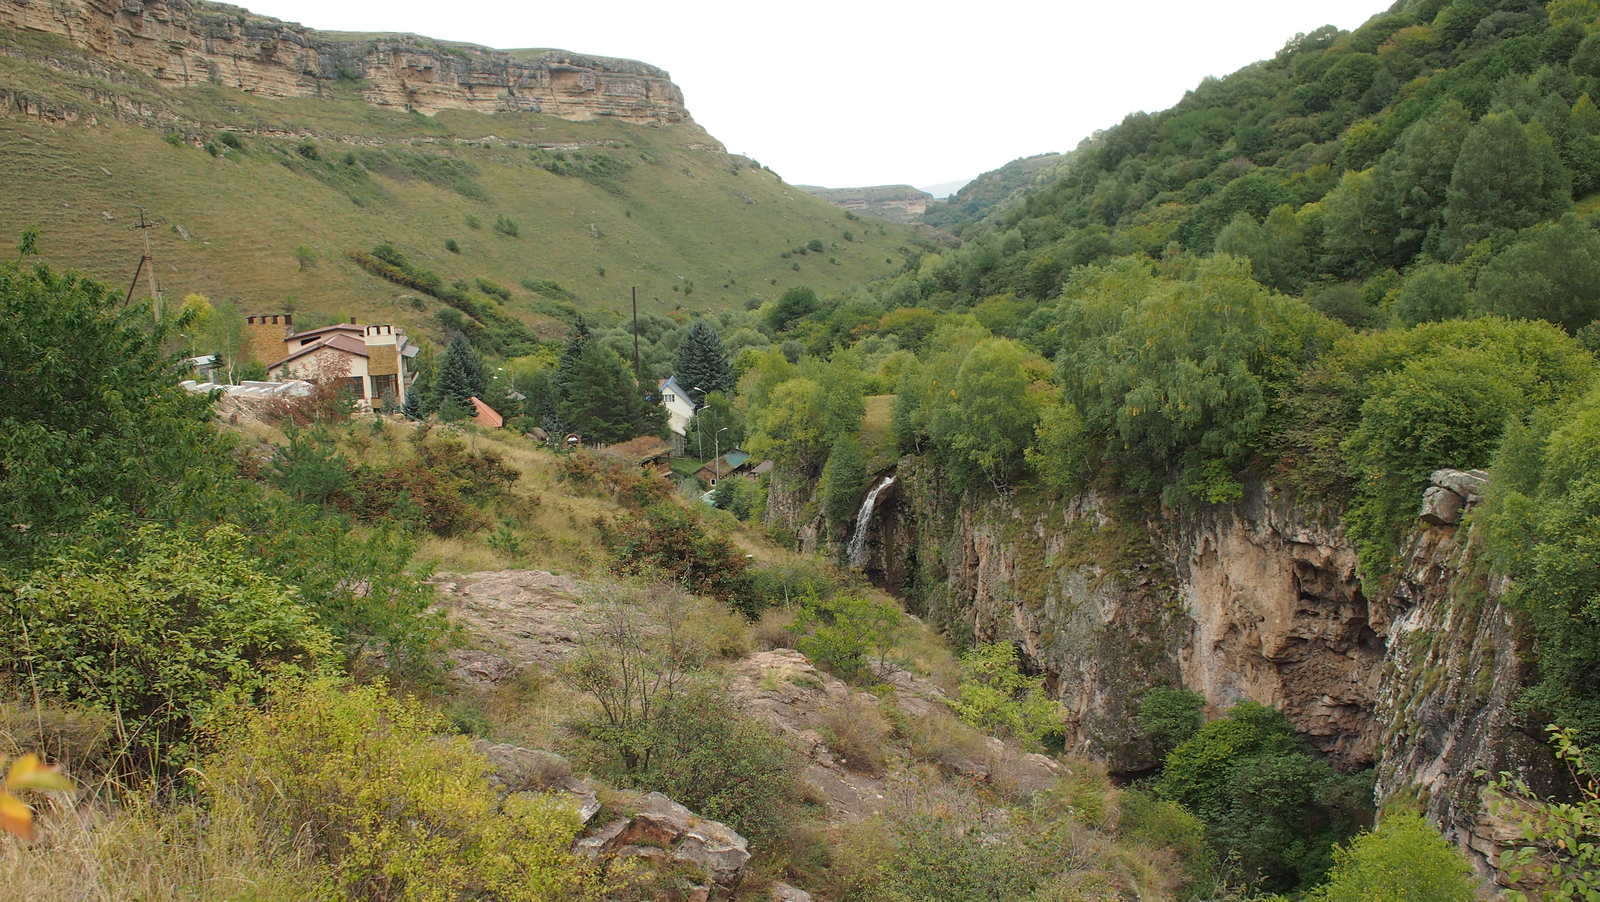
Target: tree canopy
x,y
703,365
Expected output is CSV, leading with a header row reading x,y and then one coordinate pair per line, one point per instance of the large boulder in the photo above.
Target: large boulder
x,y
1449,494
661,831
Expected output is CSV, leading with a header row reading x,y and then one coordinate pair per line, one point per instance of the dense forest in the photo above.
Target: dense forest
x,y
1367,258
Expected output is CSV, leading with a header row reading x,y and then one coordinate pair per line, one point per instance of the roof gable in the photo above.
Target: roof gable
x,y
342,343
336,327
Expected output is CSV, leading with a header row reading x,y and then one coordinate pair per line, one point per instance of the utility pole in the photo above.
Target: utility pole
x,y
144,225
638,373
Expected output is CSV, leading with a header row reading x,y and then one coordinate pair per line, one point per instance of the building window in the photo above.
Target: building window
x,y
667,398
386,389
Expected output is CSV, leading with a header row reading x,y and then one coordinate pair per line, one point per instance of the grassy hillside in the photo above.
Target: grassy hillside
x,y
598,206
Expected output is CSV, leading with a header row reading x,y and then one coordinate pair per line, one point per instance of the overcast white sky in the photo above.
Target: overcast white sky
x,y
847,94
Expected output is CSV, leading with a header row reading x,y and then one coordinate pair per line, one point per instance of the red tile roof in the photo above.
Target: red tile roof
x,y
347,344
486,415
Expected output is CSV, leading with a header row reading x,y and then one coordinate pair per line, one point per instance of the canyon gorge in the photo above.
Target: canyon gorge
x,y
1257,600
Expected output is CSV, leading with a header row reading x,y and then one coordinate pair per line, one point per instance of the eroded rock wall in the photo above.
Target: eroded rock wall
x,y
1259,600
183,44
1458,658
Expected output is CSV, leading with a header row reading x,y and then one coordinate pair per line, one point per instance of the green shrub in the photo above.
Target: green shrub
x,y
439,170
506,226
1431,293
595,167
164,634
849,635
493,289
1272,810
1557,848
308,467
844,480
996,697
452,246
669,541
1540,518
1404,859
93,419
355,779
1169,717
1446,405
1175,380
722,764
780,585
548,289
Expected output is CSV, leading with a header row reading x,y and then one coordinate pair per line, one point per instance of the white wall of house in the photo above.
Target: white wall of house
x,y
324,363
680,408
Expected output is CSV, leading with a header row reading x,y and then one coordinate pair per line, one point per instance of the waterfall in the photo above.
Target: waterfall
x,y
857,549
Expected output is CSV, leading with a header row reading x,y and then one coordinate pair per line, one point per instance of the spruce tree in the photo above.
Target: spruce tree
x,y
703,365
461,376
566,367
601,400
413,406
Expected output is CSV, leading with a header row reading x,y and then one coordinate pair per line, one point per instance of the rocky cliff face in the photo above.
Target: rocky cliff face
x,y
182,44
896,203
1258,601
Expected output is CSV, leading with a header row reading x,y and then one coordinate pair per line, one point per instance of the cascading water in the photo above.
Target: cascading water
x,y
856,551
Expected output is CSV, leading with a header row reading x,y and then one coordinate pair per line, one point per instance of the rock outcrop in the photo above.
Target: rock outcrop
x,y
783,689
647,828
514,618
180,43
896,203
656,830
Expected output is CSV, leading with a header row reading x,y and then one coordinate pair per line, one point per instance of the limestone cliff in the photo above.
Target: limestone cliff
x,y
179,43
896,203
1257,600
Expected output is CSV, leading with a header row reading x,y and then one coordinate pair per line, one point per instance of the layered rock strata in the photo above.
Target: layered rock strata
x,y
179,43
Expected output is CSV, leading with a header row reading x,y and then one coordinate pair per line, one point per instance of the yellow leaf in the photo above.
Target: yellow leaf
x,y
15,817
31,773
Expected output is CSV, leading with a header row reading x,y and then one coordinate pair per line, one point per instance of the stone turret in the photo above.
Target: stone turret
x,y
264,334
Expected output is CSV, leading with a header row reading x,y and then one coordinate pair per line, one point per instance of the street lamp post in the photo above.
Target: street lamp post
x,y
716,462
699,435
